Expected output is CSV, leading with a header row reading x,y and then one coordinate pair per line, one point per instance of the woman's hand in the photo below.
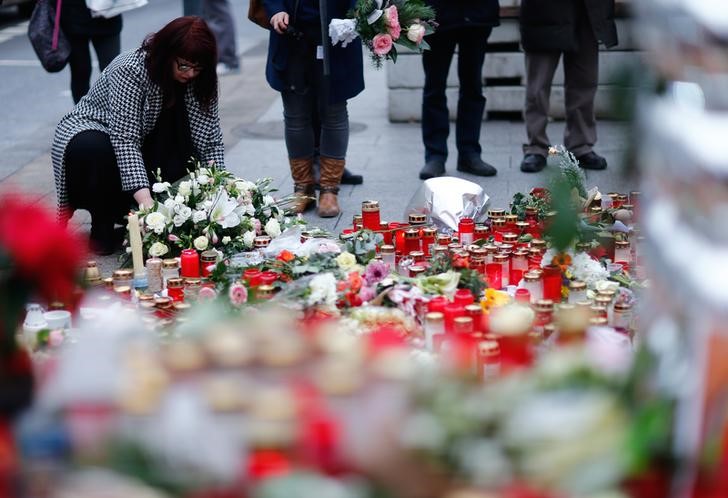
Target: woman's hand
x,y
280,22
144,198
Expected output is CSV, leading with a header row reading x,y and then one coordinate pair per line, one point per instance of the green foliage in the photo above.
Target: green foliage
x,y
364,245
521,201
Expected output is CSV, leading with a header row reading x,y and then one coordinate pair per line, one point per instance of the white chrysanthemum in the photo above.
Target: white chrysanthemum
x,y
323,290
203,179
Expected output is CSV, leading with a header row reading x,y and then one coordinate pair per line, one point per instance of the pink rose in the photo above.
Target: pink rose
x,y
382,44
55,338
416,33
392,16
206,294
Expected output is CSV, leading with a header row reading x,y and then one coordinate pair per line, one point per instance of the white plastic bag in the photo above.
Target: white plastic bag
x,y
111,8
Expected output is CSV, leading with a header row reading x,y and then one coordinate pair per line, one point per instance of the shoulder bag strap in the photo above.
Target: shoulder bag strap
x,y
57,25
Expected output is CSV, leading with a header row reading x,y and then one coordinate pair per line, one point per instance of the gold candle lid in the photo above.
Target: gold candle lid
x,y
510,238
175,283
411,233
474,309
496,213
488,347
622,306
417,218
577,285
621,244
190,282
387,249
501,258
498,222
440,250
417,255
523,225
416,270
370,206
538,243
170,264
429,232
544,305
180,307
532,276
357,219
597,321
264,291
123,274
209,256
434,316
108,282
511,218
261,241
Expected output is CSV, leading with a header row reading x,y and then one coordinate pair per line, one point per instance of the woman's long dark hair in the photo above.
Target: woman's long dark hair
x,y
188,38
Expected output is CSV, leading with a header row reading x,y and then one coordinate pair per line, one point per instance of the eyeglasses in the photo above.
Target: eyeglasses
x,y
185,67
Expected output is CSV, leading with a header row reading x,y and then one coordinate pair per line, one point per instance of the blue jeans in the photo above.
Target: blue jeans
x,y
471,43
299,112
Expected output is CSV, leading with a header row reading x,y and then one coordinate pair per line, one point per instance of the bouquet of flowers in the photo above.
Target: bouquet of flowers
x,y
211,208
382,24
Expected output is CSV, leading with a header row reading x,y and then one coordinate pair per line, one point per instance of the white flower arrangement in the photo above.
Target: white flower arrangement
x,y
322,291
211,209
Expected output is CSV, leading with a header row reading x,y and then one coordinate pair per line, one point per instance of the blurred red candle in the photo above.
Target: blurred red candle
x,y
268,277
552,283
252,276
451,312
463,297
437,303
190,264
494,275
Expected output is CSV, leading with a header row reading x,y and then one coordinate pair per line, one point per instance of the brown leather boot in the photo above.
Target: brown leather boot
x,y
304,189
331,171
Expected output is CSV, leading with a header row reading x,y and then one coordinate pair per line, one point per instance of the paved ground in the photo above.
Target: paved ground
x,y
388,155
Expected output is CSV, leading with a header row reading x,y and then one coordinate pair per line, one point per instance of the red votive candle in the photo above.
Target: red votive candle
x,y
494,275
268,277
451,312
412,240
428,239
370,215
252,276
523,296
398,237
515,277
463,297
190,264
552,283
437,303
384,227
466,231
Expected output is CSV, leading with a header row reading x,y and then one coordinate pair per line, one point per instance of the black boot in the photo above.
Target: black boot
x,y
476,166
349,178
104,239
592,160
533,163
432,168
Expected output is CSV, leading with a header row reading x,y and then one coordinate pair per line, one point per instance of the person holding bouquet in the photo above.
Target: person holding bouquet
x,y
151,110
465,25
312,77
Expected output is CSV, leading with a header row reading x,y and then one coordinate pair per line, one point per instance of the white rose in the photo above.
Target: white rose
x,y
199,216
203,179
200,243
273,228
158,187
244,186
182,210
155,221
179,220
268,200
158,249
203,171
185,188
249,238
179,199
415,33
225,240
170,204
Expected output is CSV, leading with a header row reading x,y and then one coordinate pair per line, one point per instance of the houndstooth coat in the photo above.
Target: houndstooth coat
x,y
125,104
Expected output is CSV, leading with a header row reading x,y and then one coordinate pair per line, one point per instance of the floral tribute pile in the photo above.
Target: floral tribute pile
x,y
384,24
211,208
502,359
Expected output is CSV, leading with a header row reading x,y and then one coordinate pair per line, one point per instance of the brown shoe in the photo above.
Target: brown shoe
x,y
331,171
303,184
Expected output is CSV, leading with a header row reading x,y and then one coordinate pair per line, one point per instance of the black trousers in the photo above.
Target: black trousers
x,y
107,47
94,182
471,44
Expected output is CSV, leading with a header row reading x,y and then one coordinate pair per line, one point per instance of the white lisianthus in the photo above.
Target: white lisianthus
x,y
203,179
226,240
160,187
346,261
268,200
179,199
273,228
203,171
201,243
155,221
323,290
244,186
199,216
158,249
249,238
184,188
182,214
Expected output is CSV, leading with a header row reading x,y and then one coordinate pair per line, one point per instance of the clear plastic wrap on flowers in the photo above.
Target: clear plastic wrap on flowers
x,y
446,200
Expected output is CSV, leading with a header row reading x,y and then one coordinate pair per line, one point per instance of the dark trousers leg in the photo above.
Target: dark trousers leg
x,y
80,63
435,115
540,69
471,102
107,48
93,181
219,17
581,77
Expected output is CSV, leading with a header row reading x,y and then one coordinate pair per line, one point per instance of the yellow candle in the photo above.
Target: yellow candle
x,y
135,241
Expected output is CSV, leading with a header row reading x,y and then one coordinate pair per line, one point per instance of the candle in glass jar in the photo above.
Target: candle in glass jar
x,y
434,327
437,303
388,255
190,263
412,240
398,237
552,280
371,219
451,312
494,275
208,259
622,252
532,283
154,275
475,311
505,261
577,292
252,276
622,317
175,289
463,297
417,219
488,360
135,242
466,231
170,269
428,239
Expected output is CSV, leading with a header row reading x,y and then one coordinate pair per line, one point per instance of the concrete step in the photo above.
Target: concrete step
x,y
405,104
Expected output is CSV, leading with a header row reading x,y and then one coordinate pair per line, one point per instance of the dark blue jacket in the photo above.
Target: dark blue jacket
x,y
347,71
452,14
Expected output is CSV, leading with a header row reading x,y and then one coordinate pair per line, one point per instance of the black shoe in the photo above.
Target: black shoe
x,y
533,163
432,168
592,160
476,166
349,178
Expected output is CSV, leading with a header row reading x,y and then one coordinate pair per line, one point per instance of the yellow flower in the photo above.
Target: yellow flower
x,y
494,299
346,261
